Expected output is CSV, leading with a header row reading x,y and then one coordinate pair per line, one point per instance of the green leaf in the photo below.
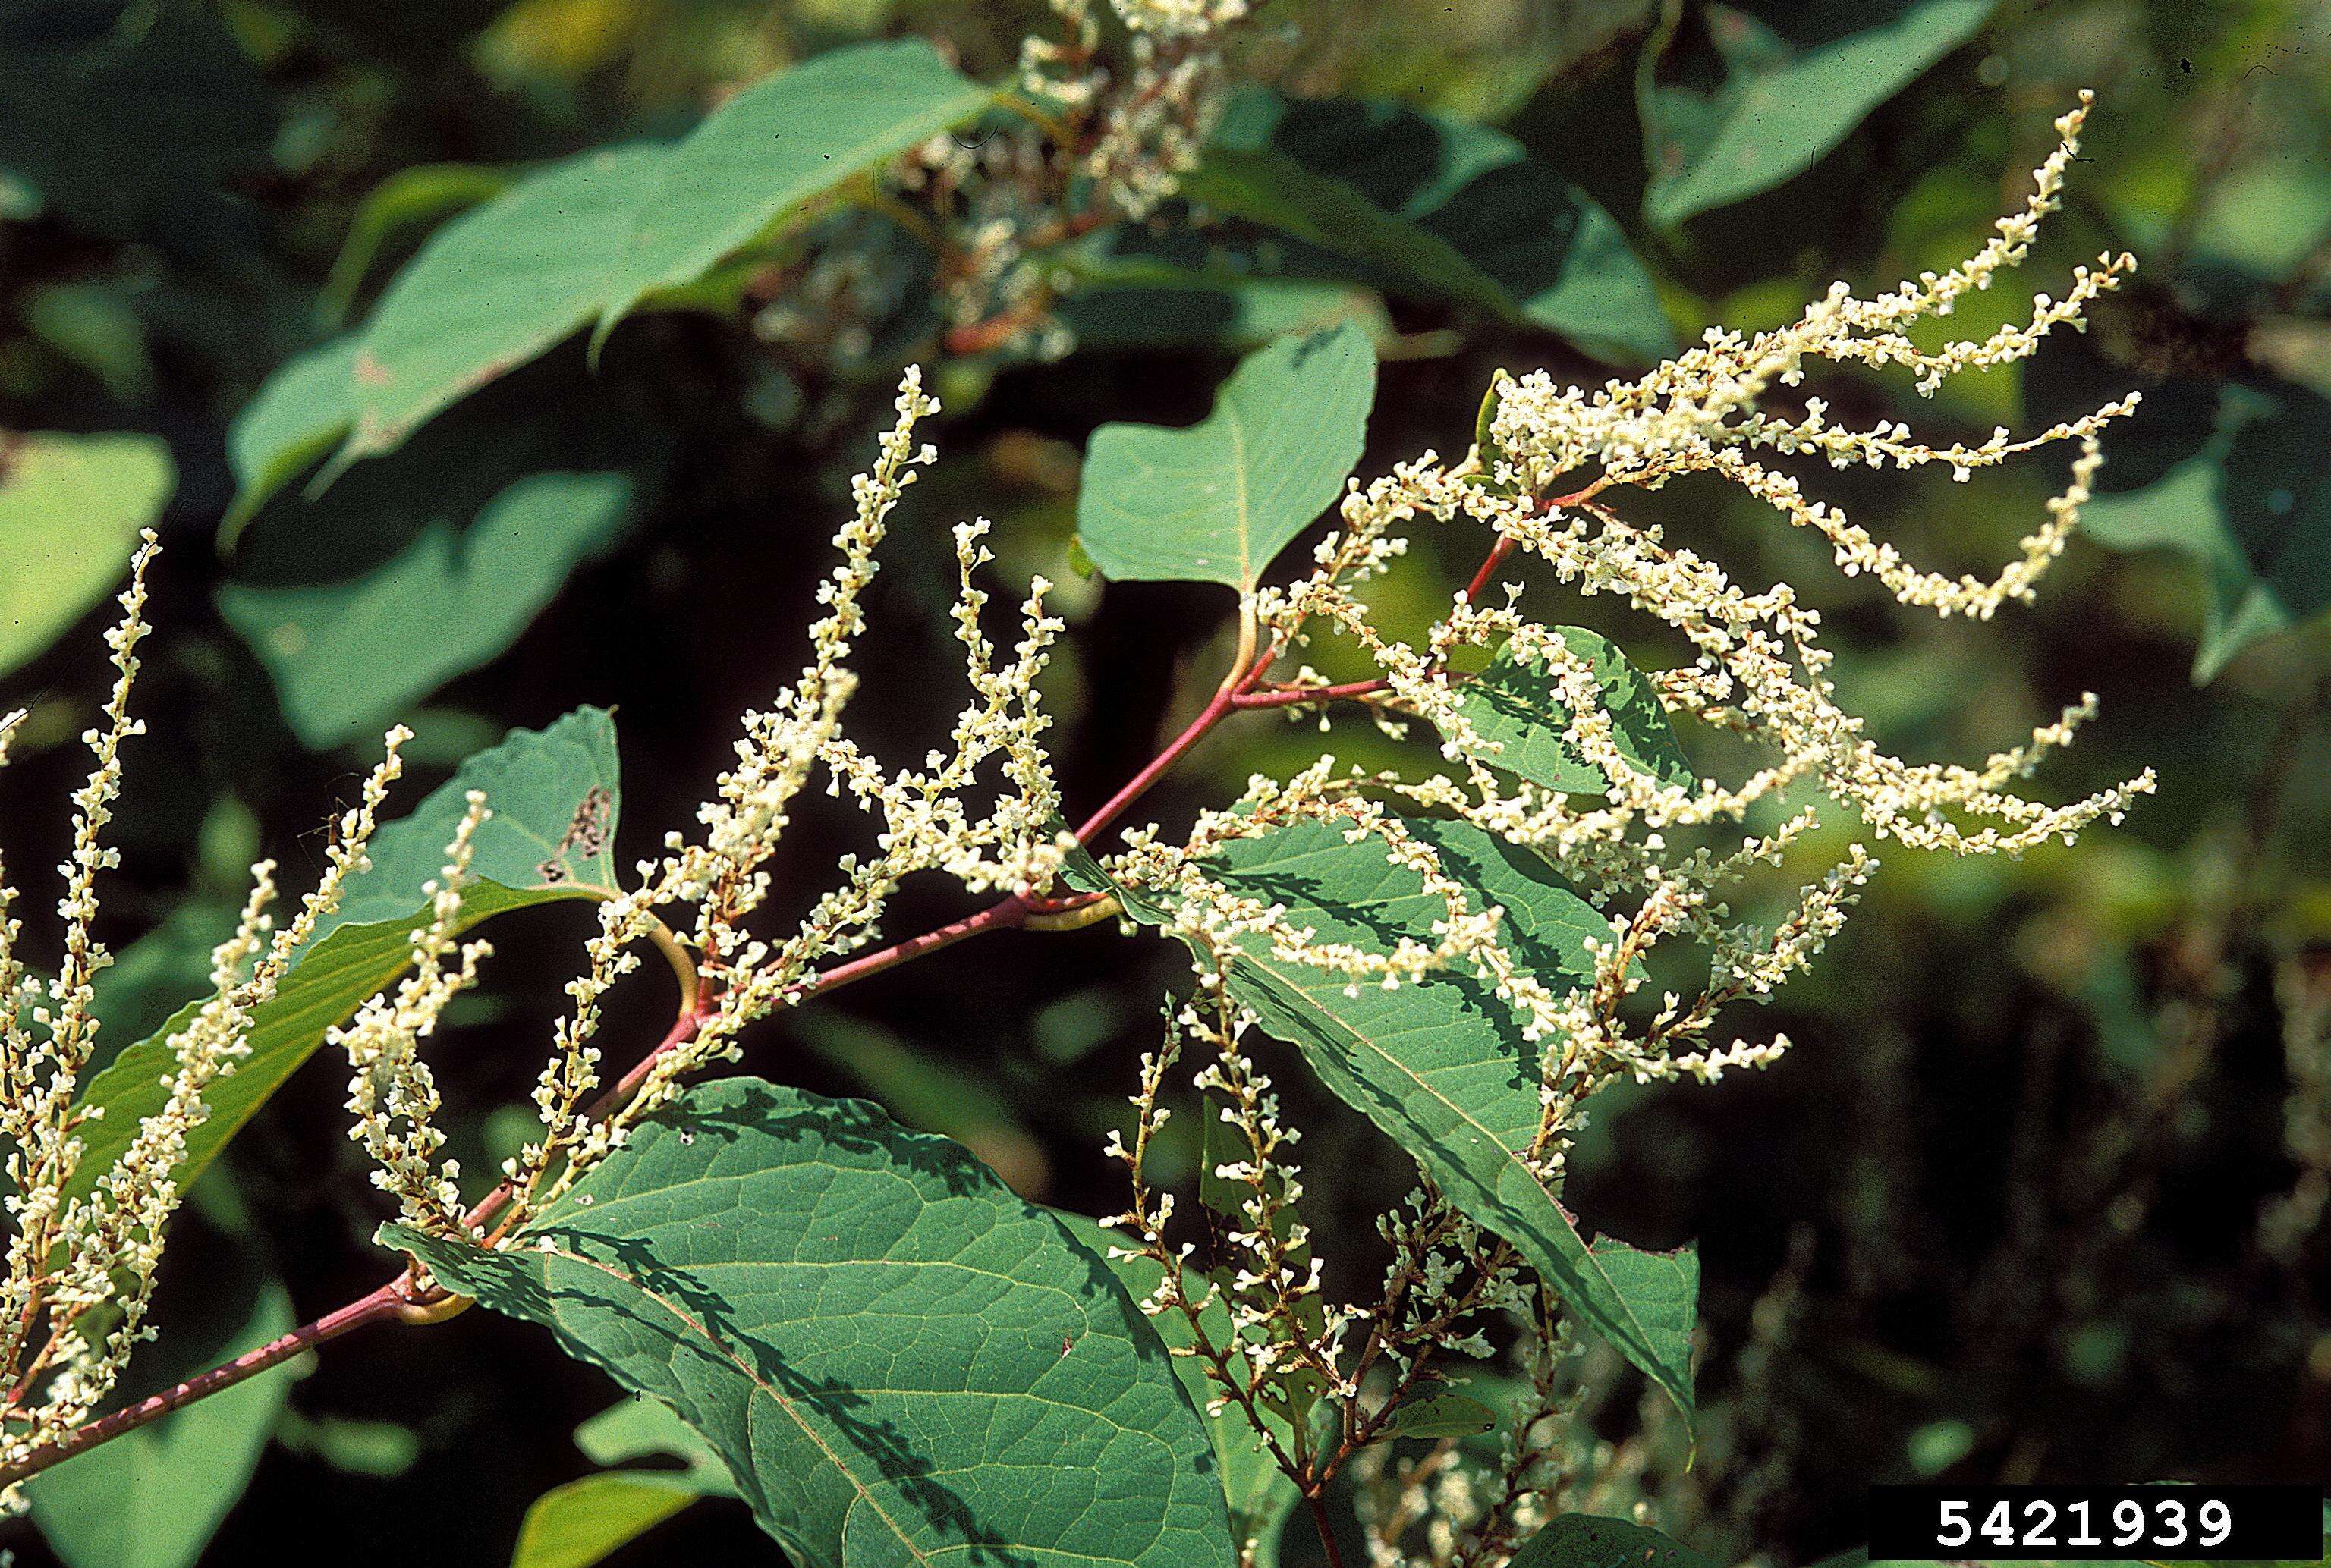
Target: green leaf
x,y
586,240
875,1336
642,1428
1441,1066
1587,1540
578,1524
1515,703
584,1521
1260,1494
2252,508
493,289
347,655
71,507
551,837
776,146
1432,206
1214,502
155,1495
1443,1414
1780,110
301,414
410,198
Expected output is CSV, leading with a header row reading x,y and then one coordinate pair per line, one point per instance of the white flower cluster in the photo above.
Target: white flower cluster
x,y
84,1245
1658,858
391,1092
927,820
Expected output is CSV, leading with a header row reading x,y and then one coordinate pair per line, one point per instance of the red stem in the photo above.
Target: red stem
x,y
391,1300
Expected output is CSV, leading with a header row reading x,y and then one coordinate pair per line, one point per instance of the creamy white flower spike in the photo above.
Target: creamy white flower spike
x,y
82,1240
1658,857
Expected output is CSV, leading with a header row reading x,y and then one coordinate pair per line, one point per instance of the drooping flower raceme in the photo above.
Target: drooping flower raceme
x,y
1546,479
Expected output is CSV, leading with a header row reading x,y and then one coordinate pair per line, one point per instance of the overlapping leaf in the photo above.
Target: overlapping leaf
x,y
1441,1066
552,836
1216,501
1780,109
71,507
1515,703
1425,204
898,1360
584,241
776,146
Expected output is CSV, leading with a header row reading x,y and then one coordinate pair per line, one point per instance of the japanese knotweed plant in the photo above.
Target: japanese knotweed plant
x,y
894,1358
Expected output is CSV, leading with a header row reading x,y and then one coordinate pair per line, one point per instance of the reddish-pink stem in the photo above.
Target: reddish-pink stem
x,y
391,1300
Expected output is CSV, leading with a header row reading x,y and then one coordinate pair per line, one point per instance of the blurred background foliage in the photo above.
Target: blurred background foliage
x,y
2038,1195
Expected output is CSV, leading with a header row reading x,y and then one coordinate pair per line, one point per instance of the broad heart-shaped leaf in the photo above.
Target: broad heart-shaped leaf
x,y
1440,1066
552,836
1260,1494
776,145
1781,110
71,507
1515,703
1589,1541
1214,502
1425,204
580,1523
2252,508
154,1497
898,1360
344,655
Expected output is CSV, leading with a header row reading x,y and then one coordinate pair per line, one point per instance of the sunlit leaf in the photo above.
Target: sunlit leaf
x,y
1216,501
71,507
410,198
758,1257
587,239
301,414
776,145
580,1523
493,289
1260,1494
